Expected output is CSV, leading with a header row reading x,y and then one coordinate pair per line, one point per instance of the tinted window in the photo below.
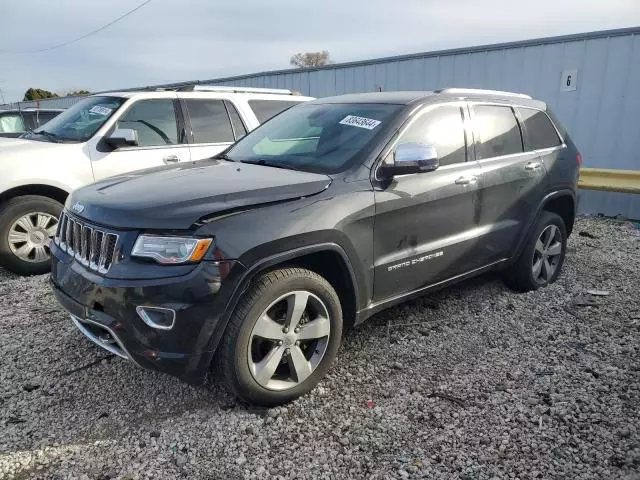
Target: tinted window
x,y
323,138
540,131
443,128
209,121
238,127
154,120
266,109
497,130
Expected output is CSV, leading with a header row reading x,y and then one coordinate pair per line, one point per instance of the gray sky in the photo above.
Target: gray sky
x,y
174,40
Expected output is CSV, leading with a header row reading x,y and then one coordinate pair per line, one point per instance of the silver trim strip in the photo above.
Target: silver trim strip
x,y
140,310
122,352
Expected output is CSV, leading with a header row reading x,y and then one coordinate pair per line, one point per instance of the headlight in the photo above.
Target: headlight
x,y
172,250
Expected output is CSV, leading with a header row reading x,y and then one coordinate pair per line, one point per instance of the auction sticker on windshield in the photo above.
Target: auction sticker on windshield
x,y
100,110
361,122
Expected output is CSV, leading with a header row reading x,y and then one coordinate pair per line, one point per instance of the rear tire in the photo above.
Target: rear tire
x,y
542,257
261,360
27,224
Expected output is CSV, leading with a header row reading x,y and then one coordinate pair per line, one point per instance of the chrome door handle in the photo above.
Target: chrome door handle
x,y
170,159
533,166
466,180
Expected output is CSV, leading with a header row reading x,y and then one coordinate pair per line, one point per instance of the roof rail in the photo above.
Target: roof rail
x,y
216,88
474,91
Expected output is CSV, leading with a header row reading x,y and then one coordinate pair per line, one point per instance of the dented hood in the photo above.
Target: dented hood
x,y
176,197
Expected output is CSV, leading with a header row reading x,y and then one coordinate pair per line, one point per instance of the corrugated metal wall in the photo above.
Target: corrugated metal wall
x,y
601,114
62,102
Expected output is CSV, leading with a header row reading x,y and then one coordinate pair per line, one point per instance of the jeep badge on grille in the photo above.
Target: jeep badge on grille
x,y
77,207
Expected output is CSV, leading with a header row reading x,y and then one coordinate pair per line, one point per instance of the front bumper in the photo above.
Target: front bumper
x,y
104,310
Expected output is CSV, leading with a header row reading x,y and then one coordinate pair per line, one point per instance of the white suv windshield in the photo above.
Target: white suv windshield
x,y
321,138
81,121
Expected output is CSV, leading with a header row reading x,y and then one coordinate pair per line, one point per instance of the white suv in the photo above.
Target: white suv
x,y
109,134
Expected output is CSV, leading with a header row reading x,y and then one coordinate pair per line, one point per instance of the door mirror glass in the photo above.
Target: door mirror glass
x,y
412,157
123,137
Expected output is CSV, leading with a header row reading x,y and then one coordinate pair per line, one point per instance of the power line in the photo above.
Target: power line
x,y
69,42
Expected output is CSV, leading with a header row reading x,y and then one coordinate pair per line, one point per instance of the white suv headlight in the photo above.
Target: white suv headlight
x,y
171,250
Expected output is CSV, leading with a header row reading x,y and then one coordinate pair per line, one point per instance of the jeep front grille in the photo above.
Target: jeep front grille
x,y
92,247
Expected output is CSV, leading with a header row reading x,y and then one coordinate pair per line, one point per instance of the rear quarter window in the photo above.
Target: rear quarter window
x,y
539,131
266,109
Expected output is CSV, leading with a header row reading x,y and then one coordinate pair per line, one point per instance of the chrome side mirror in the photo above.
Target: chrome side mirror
x,y
412,157
123,137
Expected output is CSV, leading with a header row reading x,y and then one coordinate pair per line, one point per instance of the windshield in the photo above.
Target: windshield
x,y
314,138
81,121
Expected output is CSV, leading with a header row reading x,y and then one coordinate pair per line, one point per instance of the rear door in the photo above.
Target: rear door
x,y
541,135
210,127
509,187
424,223
267,109
161,137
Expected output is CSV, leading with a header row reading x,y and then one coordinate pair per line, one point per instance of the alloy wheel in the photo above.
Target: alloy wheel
x,y
547,254
29,236
289,340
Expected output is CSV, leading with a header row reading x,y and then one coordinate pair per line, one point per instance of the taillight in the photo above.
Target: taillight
x,y
579,159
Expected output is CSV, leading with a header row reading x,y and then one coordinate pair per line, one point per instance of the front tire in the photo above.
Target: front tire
x,y
282,337
542,257
27,224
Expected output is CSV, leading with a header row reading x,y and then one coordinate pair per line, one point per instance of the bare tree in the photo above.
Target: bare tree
x,y
310,59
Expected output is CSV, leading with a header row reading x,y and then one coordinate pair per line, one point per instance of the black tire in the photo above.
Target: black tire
x,y
520,276
10,212
232,359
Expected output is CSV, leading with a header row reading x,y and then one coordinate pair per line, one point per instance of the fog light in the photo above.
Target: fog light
x,y
157,317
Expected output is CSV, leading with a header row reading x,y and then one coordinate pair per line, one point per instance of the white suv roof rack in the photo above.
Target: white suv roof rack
x,y
474,91
216,88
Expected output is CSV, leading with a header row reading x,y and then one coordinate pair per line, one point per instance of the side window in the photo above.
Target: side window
x,y
266,109
154,120
442,127
540,132
238,126
209,121
498,131
11,124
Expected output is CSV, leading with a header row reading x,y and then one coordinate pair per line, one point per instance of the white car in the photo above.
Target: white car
x,y
109,134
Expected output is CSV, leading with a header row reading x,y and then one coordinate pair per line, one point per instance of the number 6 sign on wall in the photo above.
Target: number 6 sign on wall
x,y
569,81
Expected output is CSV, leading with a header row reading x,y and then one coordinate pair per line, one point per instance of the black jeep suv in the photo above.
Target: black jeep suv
x,y
253,262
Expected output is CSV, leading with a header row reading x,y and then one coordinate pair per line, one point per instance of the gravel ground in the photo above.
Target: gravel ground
x,y
484,384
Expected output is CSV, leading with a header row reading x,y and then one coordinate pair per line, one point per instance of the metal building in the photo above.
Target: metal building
x,y
590,80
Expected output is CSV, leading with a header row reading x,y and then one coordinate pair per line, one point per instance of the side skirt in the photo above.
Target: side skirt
x,y
374,308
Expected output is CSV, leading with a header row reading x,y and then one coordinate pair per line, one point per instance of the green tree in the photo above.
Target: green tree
x,y
74,93
310,59
38,93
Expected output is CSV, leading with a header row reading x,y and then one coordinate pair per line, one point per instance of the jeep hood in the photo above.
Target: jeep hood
x,y
176,197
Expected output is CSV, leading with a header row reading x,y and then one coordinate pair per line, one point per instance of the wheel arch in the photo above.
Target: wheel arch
x,y
55,193
320,258
557,201
562,203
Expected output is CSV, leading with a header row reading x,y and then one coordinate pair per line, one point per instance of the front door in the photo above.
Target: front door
x,y
509,188
161,137
424,224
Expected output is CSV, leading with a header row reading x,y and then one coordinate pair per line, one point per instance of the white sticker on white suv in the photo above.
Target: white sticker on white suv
x,y
100,110
361,122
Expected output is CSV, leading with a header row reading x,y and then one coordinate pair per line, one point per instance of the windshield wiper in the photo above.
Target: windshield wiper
x,y
224,156
51,136
269,163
